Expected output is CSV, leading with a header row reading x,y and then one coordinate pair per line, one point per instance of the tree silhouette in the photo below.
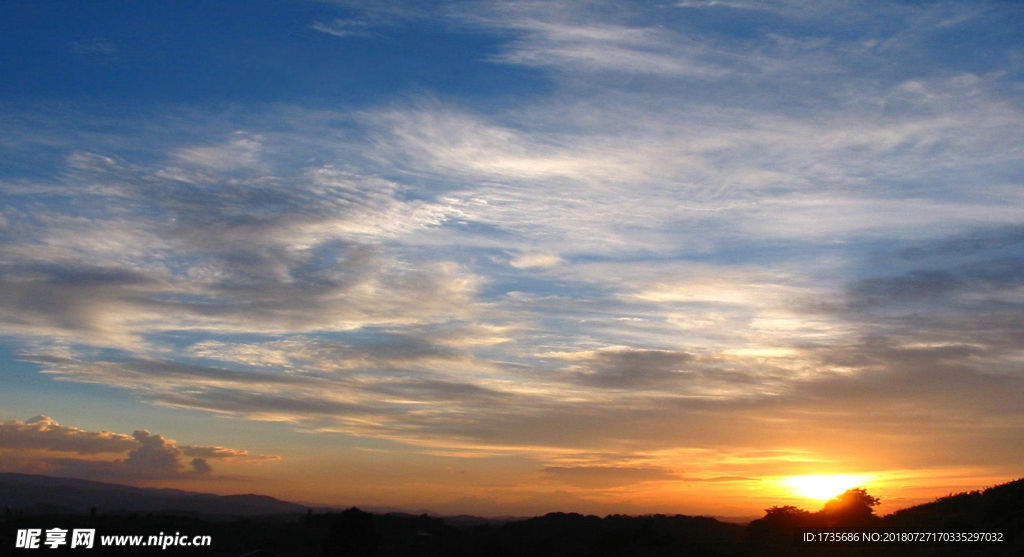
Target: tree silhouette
x,y
353,534
853,508
773,534
787,516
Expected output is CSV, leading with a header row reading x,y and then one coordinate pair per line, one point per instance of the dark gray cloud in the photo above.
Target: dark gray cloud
x,y
943,309
635,369
669,371
78,298
142,374
288,405
967,268
980,241
466,395
913,286
380,350
932,351
949,335
984,278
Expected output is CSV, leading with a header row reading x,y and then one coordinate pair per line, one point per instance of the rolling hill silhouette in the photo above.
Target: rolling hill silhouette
x,y
34,494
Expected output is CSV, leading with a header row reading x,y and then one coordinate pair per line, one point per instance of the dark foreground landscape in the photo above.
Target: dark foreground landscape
x,y
260,526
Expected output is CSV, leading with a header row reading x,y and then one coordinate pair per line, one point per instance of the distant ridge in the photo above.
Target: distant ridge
x,y
35,494
1000,507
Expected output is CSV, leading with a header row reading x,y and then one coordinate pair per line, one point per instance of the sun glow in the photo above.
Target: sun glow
x,y
824,487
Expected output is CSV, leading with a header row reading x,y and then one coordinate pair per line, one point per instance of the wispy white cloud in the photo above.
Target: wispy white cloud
x,y
707,176
307,250
97,50
535,260
239,152
610,48
344,27
367,17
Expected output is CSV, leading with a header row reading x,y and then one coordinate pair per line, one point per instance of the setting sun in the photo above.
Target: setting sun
x,y
825,486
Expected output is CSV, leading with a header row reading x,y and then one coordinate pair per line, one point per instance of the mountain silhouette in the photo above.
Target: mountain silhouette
x,y
34,494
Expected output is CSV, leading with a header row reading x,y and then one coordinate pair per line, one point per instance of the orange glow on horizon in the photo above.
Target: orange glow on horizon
x,y
822,487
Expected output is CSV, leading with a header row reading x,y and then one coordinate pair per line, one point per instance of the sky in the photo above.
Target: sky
x,y
507,258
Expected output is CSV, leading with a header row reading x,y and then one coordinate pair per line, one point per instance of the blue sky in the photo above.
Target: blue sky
x,y
513,256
